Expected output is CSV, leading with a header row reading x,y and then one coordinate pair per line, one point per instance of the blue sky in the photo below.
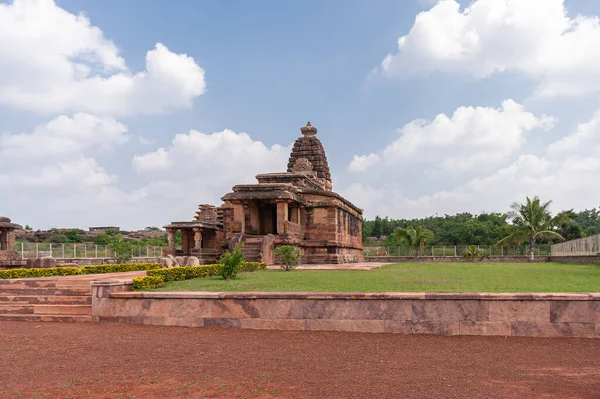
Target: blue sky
x,y
264,68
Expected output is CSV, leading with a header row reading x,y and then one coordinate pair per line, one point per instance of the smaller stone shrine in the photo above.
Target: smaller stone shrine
x,y
7,239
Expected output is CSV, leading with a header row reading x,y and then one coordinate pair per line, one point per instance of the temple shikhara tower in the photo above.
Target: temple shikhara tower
x,y
297,207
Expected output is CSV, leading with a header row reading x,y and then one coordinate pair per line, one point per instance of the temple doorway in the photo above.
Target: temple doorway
x,y
267,216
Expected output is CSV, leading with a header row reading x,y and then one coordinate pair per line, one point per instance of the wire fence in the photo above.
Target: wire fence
x,y
86,251
456,250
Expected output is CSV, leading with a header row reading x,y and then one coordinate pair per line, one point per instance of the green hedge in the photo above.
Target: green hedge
x,y
119,267
147,283
39,272
72,271
189,272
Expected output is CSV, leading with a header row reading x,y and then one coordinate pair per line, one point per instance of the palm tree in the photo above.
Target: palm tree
x,y
530,221
415,238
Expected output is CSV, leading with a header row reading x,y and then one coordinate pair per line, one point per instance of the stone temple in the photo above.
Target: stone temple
x,y
297,207
7,239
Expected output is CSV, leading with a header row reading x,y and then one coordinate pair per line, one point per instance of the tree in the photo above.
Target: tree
x,y
532,221
122,249
289,256
28,227
414,238
377,227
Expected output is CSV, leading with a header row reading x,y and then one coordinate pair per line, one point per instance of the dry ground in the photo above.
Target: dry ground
x,y
55,360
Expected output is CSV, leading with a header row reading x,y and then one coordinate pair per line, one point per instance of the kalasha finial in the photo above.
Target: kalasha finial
x,y
308,130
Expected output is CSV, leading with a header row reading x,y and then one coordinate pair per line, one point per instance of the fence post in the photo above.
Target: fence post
x,y
96,251
22,252
74,250
147,251
51,254
85,250
63,251
36,250
455,255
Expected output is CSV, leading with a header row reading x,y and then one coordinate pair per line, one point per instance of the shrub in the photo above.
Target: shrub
x,y
147,283
72,271
186,272
122,249
289,256
231,262
119,267
39,272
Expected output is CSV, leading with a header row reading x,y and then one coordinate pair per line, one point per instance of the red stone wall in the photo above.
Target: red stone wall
x,y
524,315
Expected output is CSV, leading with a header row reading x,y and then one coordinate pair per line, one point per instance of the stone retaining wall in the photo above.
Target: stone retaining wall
x,y
453,259
529,315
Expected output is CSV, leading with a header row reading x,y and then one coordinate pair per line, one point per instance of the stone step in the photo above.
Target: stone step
x,y
45,291
46,309
45,300
46,317
43,283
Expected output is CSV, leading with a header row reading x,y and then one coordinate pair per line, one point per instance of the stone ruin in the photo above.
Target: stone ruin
x,y
296,207
7,240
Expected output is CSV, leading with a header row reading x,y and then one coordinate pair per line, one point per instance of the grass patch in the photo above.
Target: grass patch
x,y
412,277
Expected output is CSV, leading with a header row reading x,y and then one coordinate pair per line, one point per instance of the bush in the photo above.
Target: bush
x,y
189,272
147,283
289,256
186,272
39,272
119,268
122,249
231,262
72,271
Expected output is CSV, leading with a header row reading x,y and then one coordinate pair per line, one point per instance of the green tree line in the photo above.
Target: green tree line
x,y
479,229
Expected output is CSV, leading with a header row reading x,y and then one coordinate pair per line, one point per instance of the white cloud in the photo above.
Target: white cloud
x,y
63,136
565,174
57,153
472,137
199,167
361,163
54,61
533,37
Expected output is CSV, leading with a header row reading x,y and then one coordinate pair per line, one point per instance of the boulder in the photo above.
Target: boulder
x,y
48,262
180,260
192,261
166,262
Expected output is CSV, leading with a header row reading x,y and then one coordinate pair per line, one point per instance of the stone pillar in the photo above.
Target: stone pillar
x,y
254,228
282,216
185,241
239,217
10,239
171,238
3,240
197,238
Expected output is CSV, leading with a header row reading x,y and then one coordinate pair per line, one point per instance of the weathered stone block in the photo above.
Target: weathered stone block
x,y
467,310
423,327
531,311
234,308
275,324
192,261
222,322
485,328
575,311
532,329
189,309
374,326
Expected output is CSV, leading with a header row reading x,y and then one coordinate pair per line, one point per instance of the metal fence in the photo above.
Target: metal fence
x,y
456,250
86,251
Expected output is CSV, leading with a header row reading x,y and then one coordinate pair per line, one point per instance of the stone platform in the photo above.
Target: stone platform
x,y
504,314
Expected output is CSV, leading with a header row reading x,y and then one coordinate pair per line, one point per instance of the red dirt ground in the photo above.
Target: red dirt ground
x,y
70,360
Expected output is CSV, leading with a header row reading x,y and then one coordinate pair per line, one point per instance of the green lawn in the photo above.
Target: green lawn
x,y
413,277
